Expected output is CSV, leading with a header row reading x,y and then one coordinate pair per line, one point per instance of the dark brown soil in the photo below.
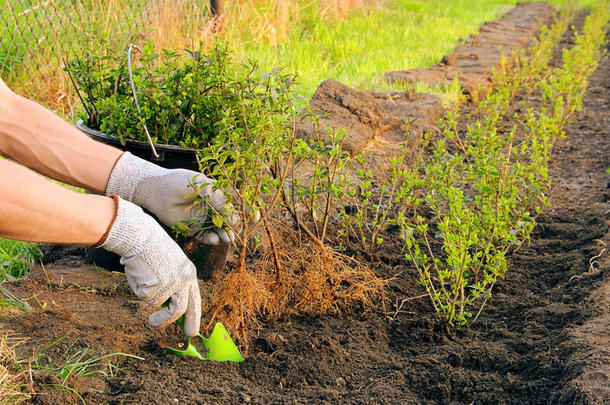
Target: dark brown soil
x,y
343,108
542,339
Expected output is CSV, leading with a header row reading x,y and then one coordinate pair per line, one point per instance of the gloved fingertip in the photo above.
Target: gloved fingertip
x,y
162,318
177,306
231,236
192,316
192,328
210,238
223,235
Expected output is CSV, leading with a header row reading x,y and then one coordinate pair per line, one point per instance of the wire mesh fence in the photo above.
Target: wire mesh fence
x,y
37,36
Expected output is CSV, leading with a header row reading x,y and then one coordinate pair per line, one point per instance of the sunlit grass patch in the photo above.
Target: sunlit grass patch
x,y
17,258
401,34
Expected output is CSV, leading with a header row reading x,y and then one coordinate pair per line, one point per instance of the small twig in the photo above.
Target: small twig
x,y
46,275
402,302
76,87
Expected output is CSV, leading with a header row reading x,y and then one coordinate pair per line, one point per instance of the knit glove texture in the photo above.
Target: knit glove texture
x,y
155,266
168,194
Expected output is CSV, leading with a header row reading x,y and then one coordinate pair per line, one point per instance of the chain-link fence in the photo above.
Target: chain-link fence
x,y
37,35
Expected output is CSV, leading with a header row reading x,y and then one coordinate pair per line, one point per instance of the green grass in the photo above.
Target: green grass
x,y
17,258
357,52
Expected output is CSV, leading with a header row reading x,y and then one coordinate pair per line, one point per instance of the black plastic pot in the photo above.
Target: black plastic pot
x,y
207,259
170,156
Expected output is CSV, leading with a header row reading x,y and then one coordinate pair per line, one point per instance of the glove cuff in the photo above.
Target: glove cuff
x,y
102,240
128,232
127,172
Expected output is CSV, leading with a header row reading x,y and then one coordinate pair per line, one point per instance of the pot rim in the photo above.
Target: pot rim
x,y
80,124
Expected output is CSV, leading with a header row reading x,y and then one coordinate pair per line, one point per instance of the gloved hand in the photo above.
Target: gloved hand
x,y
165,193
155,266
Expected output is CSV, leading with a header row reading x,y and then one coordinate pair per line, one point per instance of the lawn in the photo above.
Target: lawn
x,y
402,34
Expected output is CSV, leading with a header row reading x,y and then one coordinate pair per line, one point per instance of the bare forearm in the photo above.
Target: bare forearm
x,y
35,209
39,139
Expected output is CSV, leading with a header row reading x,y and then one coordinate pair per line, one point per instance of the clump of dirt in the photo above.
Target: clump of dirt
x,y
377,123
409,116
357,113
408,111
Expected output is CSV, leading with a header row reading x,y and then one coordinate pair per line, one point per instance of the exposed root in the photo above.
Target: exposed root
x,y
314,280
237,301
332,282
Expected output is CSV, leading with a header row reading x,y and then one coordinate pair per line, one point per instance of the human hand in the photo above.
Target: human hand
x,y
3,86
170,195
155,266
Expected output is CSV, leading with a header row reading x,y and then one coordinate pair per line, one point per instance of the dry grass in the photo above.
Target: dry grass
x,y
183,23
11,381
340,9
51,87
179,24
272,20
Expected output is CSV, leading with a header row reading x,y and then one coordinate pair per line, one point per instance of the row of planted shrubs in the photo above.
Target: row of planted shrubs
x,y
483,187
461,208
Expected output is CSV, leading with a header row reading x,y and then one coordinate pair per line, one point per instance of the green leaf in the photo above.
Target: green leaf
x,y
217,220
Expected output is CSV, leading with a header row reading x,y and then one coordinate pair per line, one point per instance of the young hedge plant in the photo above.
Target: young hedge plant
x,y
272,176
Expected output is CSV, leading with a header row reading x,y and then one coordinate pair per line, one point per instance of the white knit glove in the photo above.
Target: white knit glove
x,y
155,266
167,193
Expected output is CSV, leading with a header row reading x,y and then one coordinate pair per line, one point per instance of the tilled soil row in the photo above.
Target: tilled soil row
x,y
472,62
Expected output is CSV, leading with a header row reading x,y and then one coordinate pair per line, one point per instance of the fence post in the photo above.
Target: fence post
x,y
217,10
216,7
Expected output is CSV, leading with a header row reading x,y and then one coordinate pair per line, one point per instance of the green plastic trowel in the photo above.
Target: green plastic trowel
x,y
218,347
